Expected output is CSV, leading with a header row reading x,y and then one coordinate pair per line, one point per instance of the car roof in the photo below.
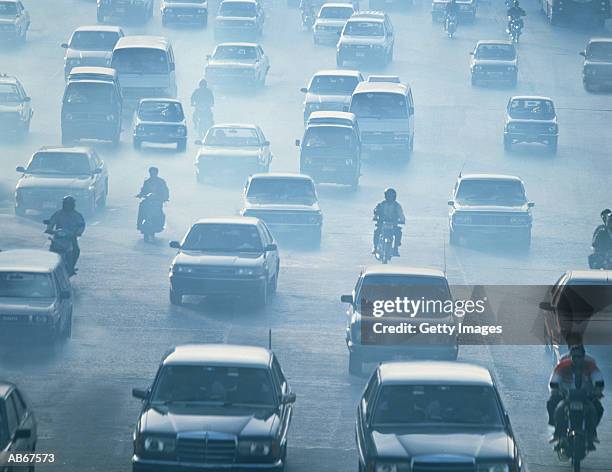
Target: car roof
x,y
237,43
92,73
338,72
403,270
489,177
235,125
434,373
369,14
63,149
5,388
379,78
29,260
165,100
389,87
101,28
495,41
531,97
338,5
281,175
143,41
239,1
594,275
9,1
220,355
341,115
229,220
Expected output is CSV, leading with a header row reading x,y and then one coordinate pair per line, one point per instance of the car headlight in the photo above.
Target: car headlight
x,y
110,117
181,131
249,271
392,468
477,68
168,10
510,68
74,62
182,269
462,219
493,468
140,129
313,106
255,448
511,127
348,162
159,445
402,137
519,220
68,116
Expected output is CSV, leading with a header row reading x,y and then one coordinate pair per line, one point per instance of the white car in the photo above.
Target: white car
x,y
14,21
91,46
237,63
367,37
329,22
330,90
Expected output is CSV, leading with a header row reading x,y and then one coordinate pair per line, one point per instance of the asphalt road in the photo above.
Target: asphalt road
x,y
123,321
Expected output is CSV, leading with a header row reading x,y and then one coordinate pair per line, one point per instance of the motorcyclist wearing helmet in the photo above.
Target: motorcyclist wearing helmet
x,y
156,186
452,9
575,371
71,221
202,97
515,12
391,211
307,8
602,240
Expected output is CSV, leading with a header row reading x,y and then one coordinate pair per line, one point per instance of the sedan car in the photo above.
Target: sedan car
x,y
490,205
14,21
597,67
18,432
329,22
225,256
494,62
287,203
214,407
239,19
15,107
367,37
531,119
184,12
54,172
232,150
434,416
237,64
160,120
91,46
330,90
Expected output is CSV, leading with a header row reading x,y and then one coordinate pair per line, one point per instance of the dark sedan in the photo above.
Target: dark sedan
x,y
17,425
434,416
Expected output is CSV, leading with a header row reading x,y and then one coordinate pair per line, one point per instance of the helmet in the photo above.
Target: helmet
x,y
203,83
153,171
605,214
390,194
68,203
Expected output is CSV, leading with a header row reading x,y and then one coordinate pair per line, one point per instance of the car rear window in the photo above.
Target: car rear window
x,y
381,105
70,163
531,109
232,137
169,112
26,285
491,192
292,191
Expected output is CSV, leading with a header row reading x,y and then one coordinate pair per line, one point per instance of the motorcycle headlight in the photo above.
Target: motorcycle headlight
x,y
392,467
249,271
182,269
159,445
493,468
255,448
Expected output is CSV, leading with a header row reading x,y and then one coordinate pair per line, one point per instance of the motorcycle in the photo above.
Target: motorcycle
x,y
515,29
308,19
152,216
450,25
602,261
385,243
62,243
202,120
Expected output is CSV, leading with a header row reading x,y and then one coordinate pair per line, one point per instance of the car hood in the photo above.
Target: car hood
x,y
199,258
316,98
362,40
230,63
495,62
78,54
239,421
25,306
281,207
426,445
492,208
218,151
54,181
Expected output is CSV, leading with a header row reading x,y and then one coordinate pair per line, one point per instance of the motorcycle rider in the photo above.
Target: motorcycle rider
x,y
563,380
515,13
602,240
308,12
452,12
203,100
71,221
153,185
391,211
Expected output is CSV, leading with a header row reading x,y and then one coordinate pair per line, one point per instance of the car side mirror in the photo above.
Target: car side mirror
x,y
140,393
23,433
65,295
346,299
27,99
304,90
471,53
64,45
271,247
175,245
288,398
451,202
545,306
266,143
20,169
530,204
583,54
298,143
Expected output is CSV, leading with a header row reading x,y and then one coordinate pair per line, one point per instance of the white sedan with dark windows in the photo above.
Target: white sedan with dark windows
x,y
235,64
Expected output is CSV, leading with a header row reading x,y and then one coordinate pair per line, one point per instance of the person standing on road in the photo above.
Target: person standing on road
x,y
153,185
73,223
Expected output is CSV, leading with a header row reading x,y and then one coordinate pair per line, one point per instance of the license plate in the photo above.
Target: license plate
x,y
576,406
48,205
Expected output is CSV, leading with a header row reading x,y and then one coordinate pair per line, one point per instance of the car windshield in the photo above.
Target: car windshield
x,y
9,93
140,61
70,163
232,137
434,291
333,85
8,9
328,137
89,94
500,52
534,109
216,385
600,52
491,192
245,9
94,40
26,285
336,13
169,112
466,405
295,191
238,53
379,105
211,237
363,28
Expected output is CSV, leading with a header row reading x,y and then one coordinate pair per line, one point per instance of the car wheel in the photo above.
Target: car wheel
x,y
588,87
315,237
552,146
19,211
91,205
181,146
514,81
175,297
474,81
453,238
274,283
100,16
104,197
525,240
22,38
205,21
355,364
261,297
507,143
137,143
339,61
67,333
164,20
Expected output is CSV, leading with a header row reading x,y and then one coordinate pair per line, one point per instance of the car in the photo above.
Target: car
x,y
426,416
287,203
234,256
18,431
490,205
239,19
237,64
91,46
138,10
184,11
214,406
330,90
54,172
384,283
232,150
531,119
35,295
367,36
15,107
14,21
494,62
597,67
330,20
160,120
391,79
467,10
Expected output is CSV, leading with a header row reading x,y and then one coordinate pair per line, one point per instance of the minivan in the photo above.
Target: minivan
x,y
35,293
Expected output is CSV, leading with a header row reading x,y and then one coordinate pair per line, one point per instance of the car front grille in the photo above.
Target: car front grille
x,y
443,467
207,450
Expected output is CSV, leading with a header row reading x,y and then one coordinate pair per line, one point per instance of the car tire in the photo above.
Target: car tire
x,y
316,236
588,86
137,143
514,81
355,364
525,241
507,143
553,145
67,331
20,211
274,283
100,16
389,58
181,146
205,21
91,205
315,41
339,61
453,238
23,37
261,296
176,298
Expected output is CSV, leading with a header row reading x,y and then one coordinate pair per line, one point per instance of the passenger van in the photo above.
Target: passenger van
x,y
385,113
146,68
330,151
35,293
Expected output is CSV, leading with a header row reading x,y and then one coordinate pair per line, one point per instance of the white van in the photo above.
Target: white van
x,y
146,68
385,113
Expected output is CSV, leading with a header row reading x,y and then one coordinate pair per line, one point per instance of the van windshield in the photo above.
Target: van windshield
x,y
333,85
140,61
26,285
328,137
89,94
94,40
379,105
